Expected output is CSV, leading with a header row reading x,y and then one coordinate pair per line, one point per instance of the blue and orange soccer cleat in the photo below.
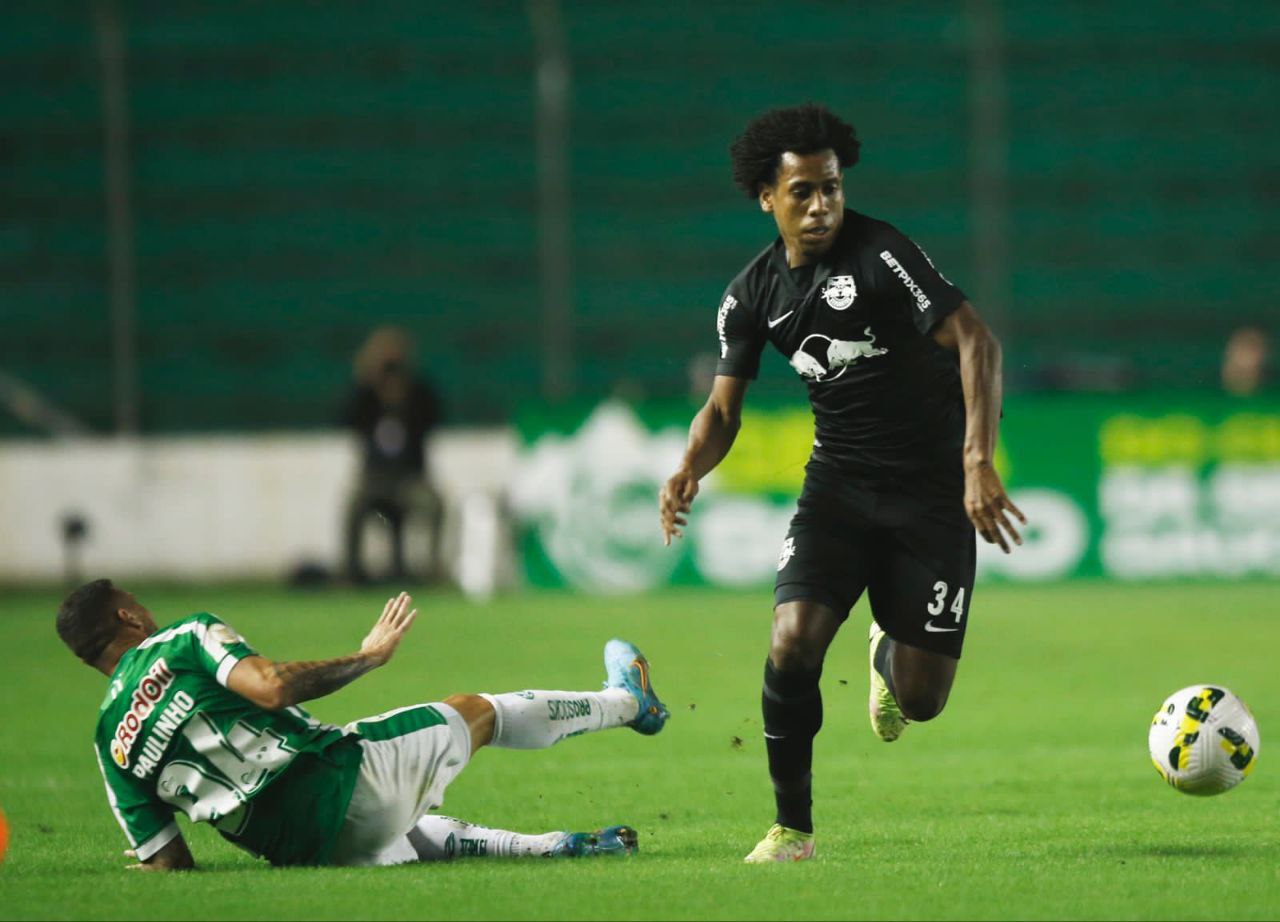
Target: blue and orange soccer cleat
x,y
612,840
626,667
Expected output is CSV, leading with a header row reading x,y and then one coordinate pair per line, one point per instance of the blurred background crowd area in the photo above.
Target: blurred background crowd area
x,y
277,278
206,207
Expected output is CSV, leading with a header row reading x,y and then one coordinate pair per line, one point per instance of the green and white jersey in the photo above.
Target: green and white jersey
x,y
172,737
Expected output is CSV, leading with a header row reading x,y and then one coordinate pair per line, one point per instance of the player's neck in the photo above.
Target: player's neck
x,y
110,658
798,256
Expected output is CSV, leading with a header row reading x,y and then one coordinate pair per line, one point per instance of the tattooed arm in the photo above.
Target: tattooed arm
x,y
276,686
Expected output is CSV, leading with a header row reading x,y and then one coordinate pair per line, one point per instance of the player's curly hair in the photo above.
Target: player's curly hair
x,y
85,623
757,152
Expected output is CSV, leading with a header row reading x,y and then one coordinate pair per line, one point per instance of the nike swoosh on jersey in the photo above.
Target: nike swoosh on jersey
x,y
934,629
774,323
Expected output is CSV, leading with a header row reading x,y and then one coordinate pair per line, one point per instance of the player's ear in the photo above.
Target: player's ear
x,y
128,618
766,199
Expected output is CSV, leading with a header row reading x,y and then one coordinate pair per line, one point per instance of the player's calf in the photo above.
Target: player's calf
x,y
538,718
922,681
921,705
908,684
791,705
443,838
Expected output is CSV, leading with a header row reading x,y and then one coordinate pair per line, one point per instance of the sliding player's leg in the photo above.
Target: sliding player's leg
x,y
536,718
412,754
443,838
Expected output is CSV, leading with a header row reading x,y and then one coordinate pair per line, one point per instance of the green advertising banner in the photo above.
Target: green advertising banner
x,y
1127,487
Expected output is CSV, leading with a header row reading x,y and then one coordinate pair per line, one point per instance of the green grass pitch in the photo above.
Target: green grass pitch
x,y
1031,797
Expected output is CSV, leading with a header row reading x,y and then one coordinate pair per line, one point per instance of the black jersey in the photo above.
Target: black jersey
x,y
887,402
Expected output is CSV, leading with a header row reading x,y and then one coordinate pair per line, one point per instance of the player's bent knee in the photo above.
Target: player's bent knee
x,y
478,712
800,637
471,707
791,652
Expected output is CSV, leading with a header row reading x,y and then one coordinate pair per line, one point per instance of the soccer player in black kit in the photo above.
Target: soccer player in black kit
x,y
904,379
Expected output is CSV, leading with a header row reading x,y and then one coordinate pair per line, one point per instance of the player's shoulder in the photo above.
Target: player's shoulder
x,y
213,628
862,231
754,276
196,628
194,623
206,618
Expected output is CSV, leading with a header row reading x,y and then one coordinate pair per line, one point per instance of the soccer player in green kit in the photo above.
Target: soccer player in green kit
x,y
194,721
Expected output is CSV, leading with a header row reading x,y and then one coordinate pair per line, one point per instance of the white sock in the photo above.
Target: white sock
x,y
538,719
443,838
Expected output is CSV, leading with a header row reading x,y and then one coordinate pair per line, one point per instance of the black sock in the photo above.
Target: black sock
x,y
792,706
883,663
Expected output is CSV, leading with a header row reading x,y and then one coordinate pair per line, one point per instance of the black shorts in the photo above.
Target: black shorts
x,y
913,553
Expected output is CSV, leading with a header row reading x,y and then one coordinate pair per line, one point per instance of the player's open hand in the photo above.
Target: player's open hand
x,y
674,501
390,628
175,856
989,507
138,865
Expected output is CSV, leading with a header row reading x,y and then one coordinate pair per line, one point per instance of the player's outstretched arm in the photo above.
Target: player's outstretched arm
x,y
276,686
173,856
711,436
985,500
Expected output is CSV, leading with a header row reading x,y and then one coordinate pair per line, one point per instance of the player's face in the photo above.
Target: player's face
x,y
807,201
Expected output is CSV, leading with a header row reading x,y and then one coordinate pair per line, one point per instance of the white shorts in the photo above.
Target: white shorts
x,y
410,756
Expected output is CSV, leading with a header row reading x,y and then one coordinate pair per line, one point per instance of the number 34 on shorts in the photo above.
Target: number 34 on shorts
x,y
944,617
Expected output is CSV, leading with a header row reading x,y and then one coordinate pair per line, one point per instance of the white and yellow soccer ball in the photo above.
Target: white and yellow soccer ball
x,y
1203,740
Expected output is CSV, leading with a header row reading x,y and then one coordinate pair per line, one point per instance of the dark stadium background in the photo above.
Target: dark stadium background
x,y
204,206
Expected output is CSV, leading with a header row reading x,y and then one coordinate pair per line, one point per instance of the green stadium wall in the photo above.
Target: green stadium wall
x,y
1132,489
